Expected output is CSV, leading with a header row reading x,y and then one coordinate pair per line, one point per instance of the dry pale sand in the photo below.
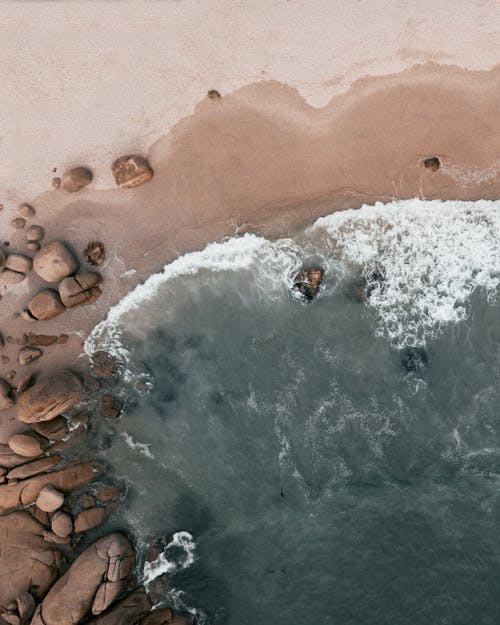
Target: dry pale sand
x,y
87,83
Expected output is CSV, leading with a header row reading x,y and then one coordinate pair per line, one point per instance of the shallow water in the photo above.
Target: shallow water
x,y
336,462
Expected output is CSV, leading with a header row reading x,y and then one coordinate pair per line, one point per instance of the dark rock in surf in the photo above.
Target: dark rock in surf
x,y
111,406
308,283
104,365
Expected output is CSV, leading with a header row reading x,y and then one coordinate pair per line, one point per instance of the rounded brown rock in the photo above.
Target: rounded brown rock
x,y
26,210
90,518
94,253
50,397
28,354
61,524
49,499
33,246
46,305
10,276
35,233
29,444
131,171
19,263
80,289
54,262
56,182
18,223
76,178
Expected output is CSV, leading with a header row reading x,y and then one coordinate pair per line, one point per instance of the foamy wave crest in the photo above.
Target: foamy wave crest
x,y
179,554
430,257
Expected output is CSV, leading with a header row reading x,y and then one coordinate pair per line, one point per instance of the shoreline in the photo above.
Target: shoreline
x,y
260,160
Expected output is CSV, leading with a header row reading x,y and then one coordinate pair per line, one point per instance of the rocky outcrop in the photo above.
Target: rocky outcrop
x,y
24,493
75,179
50,397
80,289
46,305
308,283
55,430
128,611
93,582
131,171
28,563
54,262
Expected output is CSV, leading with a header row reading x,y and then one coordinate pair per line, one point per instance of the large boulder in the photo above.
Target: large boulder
x,y
128,611
93,582
50,397
25,492
75,179
49,499
29,444
80,289
54,262
46,305
131,171
28,563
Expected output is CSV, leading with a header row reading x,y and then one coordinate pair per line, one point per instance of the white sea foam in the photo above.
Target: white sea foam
x,y
432,255
142,448
179,555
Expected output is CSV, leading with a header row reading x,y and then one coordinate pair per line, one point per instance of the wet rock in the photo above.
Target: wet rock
x,y
414,359
109,492
61,524
28,564
104,365
131,171
89,518
6,398
54,262
34,468
19,263
55,430
111,406
128,611
50,397
94,253
93,582
56,182
29,444
308,283
75,179
10,277
26,210
433,163
80,289
35,233
42,340
18,223
46,305
28,354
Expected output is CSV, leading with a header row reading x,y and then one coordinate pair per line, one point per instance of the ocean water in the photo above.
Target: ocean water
x,y
330,463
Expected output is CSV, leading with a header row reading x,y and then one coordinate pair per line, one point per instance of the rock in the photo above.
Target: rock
x,y
41,516
29,444
61,524
19,263
25,606
165,616
24,384
65,480
50,397
432,163
28,564
56,182
94,253
18,223
54,262
308,283
42,340
128,611
414,358
2,257
75,179
54,538
11,618
103,365
80,289
28,354
27,316
35,233
89,518
9,459
213,94
33,246
26,210
49,499
6,399
10,277
111,406
108,492
34,468
46,305
55,430
131,171
93,582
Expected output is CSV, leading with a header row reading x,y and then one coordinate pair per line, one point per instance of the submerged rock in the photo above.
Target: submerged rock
x,y
131,171
103,365
308,283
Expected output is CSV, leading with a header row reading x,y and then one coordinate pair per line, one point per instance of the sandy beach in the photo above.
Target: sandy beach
x,y
316,112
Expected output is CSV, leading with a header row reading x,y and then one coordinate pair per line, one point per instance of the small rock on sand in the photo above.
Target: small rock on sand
x,y
28,354
10,277
49,499
94,253
19,263
131,171
18,223
35,233
46,305
54,262
26,210
432,163
75,179
92,517
213,94
56,182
